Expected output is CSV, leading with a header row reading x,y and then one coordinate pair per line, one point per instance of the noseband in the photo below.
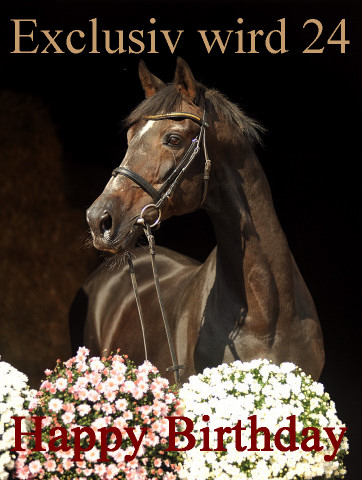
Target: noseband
x,y
159,197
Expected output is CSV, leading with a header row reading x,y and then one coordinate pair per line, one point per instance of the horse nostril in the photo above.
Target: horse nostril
x,y
105,223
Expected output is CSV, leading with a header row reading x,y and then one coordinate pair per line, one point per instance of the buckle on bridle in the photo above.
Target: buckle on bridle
x,y
142,220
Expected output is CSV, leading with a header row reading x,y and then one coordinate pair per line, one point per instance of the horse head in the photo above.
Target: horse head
x,y
162,173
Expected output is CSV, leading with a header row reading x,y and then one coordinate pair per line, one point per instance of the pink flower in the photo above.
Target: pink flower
x,y
118,368
119,455
110,395
96,364
22,472
47,372
61,384
121,404
68,407
35,467
83,409
82,354
82,394
128,415
147,367
142,377
146,410
164,428
169,398
107,408
120,423
95,378
45,385
81,382
69,362
68,417
110,384
50,465
129,386
159,382
99,423
133,463
151,439
33,403
157,462
92,455
93,396
111,471
67,463
55,405
169,476
140,389
160,409
81,367
99,469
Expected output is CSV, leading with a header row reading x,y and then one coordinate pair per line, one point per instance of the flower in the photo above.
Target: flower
x,y
267,394
84,395
15,396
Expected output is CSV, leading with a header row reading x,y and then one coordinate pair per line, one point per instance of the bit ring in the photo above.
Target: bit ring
x,y
142,220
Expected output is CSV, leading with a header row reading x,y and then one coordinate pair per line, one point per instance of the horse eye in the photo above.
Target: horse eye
x,y
173,140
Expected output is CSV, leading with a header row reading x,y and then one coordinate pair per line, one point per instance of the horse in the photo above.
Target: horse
x,y
248,299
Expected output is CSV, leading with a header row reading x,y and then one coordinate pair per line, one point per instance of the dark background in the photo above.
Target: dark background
x,y
309,104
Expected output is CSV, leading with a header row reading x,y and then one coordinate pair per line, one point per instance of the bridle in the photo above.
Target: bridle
x,y
164,192
159,197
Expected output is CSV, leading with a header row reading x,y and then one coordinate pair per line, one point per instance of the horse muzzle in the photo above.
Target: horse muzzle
x,y
108,232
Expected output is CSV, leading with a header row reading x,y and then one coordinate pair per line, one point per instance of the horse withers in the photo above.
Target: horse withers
x,y
248,299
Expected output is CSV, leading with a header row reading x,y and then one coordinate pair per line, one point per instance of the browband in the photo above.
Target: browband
x,y
180,115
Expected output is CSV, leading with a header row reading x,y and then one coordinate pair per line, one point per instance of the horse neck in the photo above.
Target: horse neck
x,y
249,236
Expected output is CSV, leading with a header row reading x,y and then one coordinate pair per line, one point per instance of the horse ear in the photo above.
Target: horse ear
x,y
184,80
150,83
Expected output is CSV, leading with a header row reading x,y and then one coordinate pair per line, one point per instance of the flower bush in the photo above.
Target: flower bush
x,y
97,393
234,392
15,395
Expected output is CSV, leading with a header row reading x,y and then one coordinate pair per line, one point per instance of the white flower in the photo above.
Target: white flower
x,y
271,394
14,396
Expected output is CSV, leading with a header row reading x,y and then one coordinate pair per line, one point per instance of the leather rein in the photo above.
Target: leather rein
x,y
159,197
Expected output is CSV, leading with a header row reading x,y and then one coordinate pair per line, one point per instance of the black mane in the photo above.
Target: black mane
x,y
169,99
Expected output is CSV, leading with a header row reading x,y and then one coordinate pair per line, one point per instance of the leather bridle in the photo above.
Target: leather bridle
x,y
159,197
164,192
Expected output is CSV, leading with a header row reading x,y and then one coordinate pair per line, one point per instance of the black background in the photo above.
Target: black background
x,y
309,104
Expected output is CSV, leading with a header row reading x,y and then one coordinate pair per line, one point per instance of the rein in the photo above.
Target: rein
x,y
159,197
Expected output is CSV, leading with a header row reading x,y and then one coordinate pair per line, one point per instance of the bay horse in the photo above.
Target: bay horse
x,y
248,299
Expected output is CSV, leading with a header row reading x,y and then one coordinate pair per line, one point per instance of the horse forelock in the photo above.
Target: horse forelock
x,y
217,106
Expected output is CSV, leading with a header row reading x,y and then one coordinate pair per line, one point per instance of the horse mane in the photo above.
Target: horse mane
x,y
169,99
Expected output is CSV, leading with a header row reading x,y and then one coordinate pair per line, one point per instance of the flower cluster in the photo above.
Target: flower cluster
x,y
272,393
15,395
102,392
